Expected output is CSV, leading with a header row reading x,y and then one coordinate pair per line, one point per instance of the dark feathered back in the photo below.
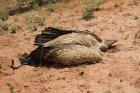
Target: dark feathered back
x,y
51,33
48,34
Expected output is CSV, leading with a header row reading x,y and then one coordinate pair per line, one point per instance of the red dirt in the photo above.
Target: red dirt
x,y
120,72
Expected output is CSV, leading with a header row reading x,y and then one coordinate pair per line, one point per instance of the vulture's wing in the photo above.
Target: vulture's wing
x,y
48,34
51,33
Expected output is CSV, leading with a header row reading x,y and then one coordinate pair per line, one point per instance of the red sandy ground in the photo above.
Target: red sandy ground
x,y
120,72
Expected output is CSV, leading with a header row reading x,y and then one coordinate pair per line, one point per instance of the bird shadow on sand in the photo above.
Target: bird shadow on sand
x,y
58,66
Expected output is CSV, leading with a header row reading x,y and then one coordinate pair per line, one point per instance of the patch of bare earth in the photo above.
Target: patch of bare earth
x,y
120,72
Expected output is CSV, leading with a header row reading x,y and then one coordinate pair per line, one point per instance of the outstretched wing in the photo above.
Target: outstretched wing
x,y
51,33
48,34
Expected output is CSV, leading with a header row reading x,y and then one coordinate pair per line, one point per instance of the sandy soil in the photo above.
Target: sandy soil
x,y
119,72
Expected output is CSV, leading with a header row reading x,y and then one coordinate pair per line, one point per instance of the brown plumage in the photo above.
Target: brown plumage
x,y
67,54
70,48
73,55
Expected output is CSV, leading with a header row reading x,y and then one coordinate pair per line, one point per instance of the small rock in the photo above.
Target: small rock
x,y
89,91
137,35
121,80
16,63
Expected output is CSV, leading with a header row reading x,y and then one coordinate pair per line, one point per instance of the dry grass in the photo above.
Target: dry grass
x,y
35,20
92,5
